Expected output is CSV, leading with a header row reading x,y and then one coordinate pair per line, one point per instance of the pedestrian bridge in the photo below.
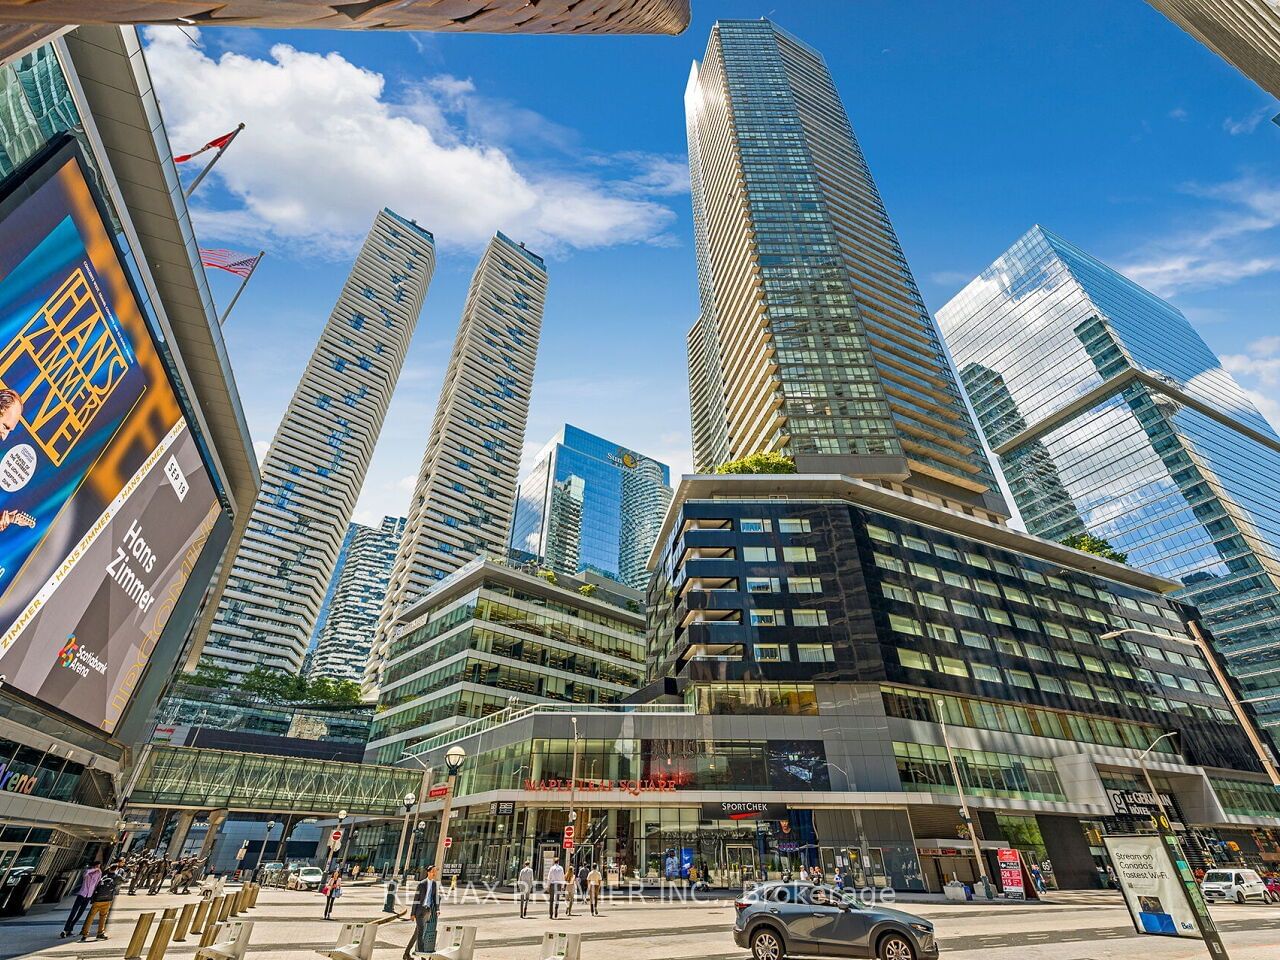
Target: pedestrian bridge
x,y
196,778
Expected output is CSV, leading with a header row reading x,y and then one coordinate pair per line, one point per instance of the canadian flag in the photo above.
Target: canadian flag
x,y
216,144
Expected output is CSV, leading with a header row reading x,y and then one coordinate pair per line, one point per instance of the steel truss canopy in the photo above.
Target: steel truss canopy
x,y
191,778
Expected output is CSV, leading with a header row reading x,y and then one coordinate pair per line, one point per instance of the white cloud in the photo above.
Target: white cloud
x,y
1178,113
1250,121
325,146
1259,367
1236,239
260,447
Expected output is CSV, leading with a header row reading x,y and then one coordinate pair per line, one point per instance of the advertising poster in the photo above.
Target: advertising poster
x,y
105,502
1151,886
1011,874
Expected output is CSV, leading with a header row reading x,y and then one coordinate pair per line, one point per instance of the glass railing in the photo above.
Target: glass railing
x,y
512,714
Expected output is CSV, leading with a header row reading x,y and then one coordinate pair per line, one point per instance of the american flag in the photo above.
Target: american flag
x,y
241,264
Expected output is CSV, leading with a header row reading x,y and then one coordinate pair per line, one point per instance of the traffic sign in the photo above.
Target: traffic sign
x,y
568,844
448,842
336,836
568,833
436,793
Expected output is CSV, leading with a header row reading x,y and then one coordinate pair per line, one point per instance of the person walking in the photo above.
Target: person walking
x,y
100,902
332,891
83,896
555,883
570,889
426,915
594,884
524,888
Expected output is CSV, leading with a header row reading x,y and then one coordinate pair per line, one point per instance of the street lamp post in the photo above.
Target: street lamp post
x,y
346,847
573,785
964,804
409,801
262,850
427,775
453,759
335,846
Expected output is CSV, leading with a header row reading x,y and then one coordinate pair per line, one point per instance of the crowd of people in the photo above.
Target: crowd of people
x,y
99,886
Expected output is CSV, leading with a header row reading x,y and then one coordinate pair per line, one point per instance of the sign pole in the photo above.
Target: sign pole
x,y
205,172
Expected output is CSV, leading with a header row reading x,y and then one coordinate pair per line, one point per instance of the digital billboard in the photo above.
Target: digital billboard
x,y
105,500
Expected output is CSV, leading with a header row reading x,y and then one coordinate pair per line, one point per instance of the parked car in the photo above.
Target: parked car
x,y
777,920
1235,884
1273,887
307,878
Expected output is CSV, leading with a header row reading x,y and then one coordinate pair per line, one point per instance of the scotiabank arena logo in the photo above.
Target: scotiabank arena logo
x,y
79,660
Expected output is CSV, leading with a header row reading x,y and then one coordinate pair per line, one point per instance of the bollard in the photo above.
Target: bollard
x,y
257,888
202,914
238,907
161,941
170,913
215,909
140,931
184,922
228,902
210,934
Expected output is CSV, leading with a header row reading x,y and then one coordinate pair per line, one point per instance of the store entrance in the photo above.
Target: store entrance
x,y
739,865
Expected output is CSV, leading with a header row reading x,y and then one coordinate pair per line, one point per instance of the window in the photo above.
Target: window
x,y
772,653
933,601
804,585
1025,623
1020,678
767,618
1002,567
914,660
952,666
1067,659
759,554
799,555
887,562
915,543
762,584
982,671
946,552
895,592
1010,647
975,640
792,525
1078,689
1013,593
955,580
1036,652
755,526
904,625
987,587
998,616
1119,669
1050,684
881,534
940,632
965,608
1106,695
925,571
815,653
1055,629
977,560
809,618
1093,664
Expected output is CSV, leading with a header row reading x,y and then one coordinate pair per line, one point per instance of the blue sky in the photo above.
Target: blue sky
x,y
1099,119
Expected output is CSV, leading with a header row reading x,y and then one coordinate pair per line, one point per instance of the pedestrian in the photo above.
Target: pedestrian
x,y
100,901
594,882
83,896
426,915
1037,879
839,880
524,888
570,888
555,880
1111,877
332,891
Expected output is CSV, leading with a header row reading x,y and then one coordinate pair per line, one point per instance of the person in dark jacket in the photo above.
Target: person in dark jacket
x,y
100,903
426,914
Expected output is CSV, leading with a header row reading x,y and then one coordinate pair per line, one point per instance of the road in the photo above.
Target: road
x,y
288,926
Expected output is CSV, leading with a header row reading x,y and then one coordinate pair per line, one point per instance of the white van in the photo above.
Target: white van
x,y
1237,885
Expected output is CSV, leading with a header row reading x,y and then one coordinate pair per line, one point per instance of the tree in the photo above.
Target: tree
x,y
547,575
633,606
759,463
207,675
588,589
1096,545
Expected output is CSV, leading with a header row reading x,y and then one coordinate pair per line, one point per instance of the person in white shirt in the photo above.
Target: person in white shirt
x,y
555,887
594,882
524,888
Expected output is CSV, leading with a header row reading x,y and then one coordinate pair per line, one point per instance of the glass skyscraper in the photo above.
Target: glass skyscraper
x,y
1110,415
589,504
812,339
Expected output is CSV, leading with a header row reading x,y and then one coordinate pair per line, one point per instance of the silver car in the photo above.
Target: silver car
x,y
777,920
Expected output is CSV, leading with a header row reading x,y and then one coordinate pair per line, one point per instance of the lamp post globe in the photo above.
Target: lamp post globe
x,y
342,815
454,757
409,800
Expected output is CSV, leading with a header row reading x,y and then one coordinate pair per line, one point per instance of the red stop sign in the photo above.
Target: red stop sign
x,y
448,842
336,836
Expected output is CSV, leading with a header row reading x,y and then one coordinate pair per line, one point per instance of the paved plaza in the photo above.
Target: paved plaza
x,y
288,926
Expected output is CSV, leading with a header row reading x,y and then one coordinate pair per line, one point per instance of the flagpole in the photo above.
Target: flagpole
x,y
223,319
203,173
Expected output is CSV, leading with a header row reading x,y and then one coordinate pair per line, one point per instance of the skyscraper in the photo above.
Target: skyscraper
x,y
463,500
1245,33
589,504
313,472
359,586
1111,416
812,339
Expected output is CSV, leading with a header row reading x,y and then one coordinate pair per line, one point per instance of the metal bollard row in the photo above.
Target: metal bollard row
x,y
202,915
160,943
184,922
140,930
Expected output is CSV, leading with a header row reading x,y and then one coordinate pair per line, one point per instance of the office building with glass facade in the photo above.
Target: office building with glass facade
x,y
63,775
814,645
358,588
320,454
812,338
1111,416
588,504
492,635
465,492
